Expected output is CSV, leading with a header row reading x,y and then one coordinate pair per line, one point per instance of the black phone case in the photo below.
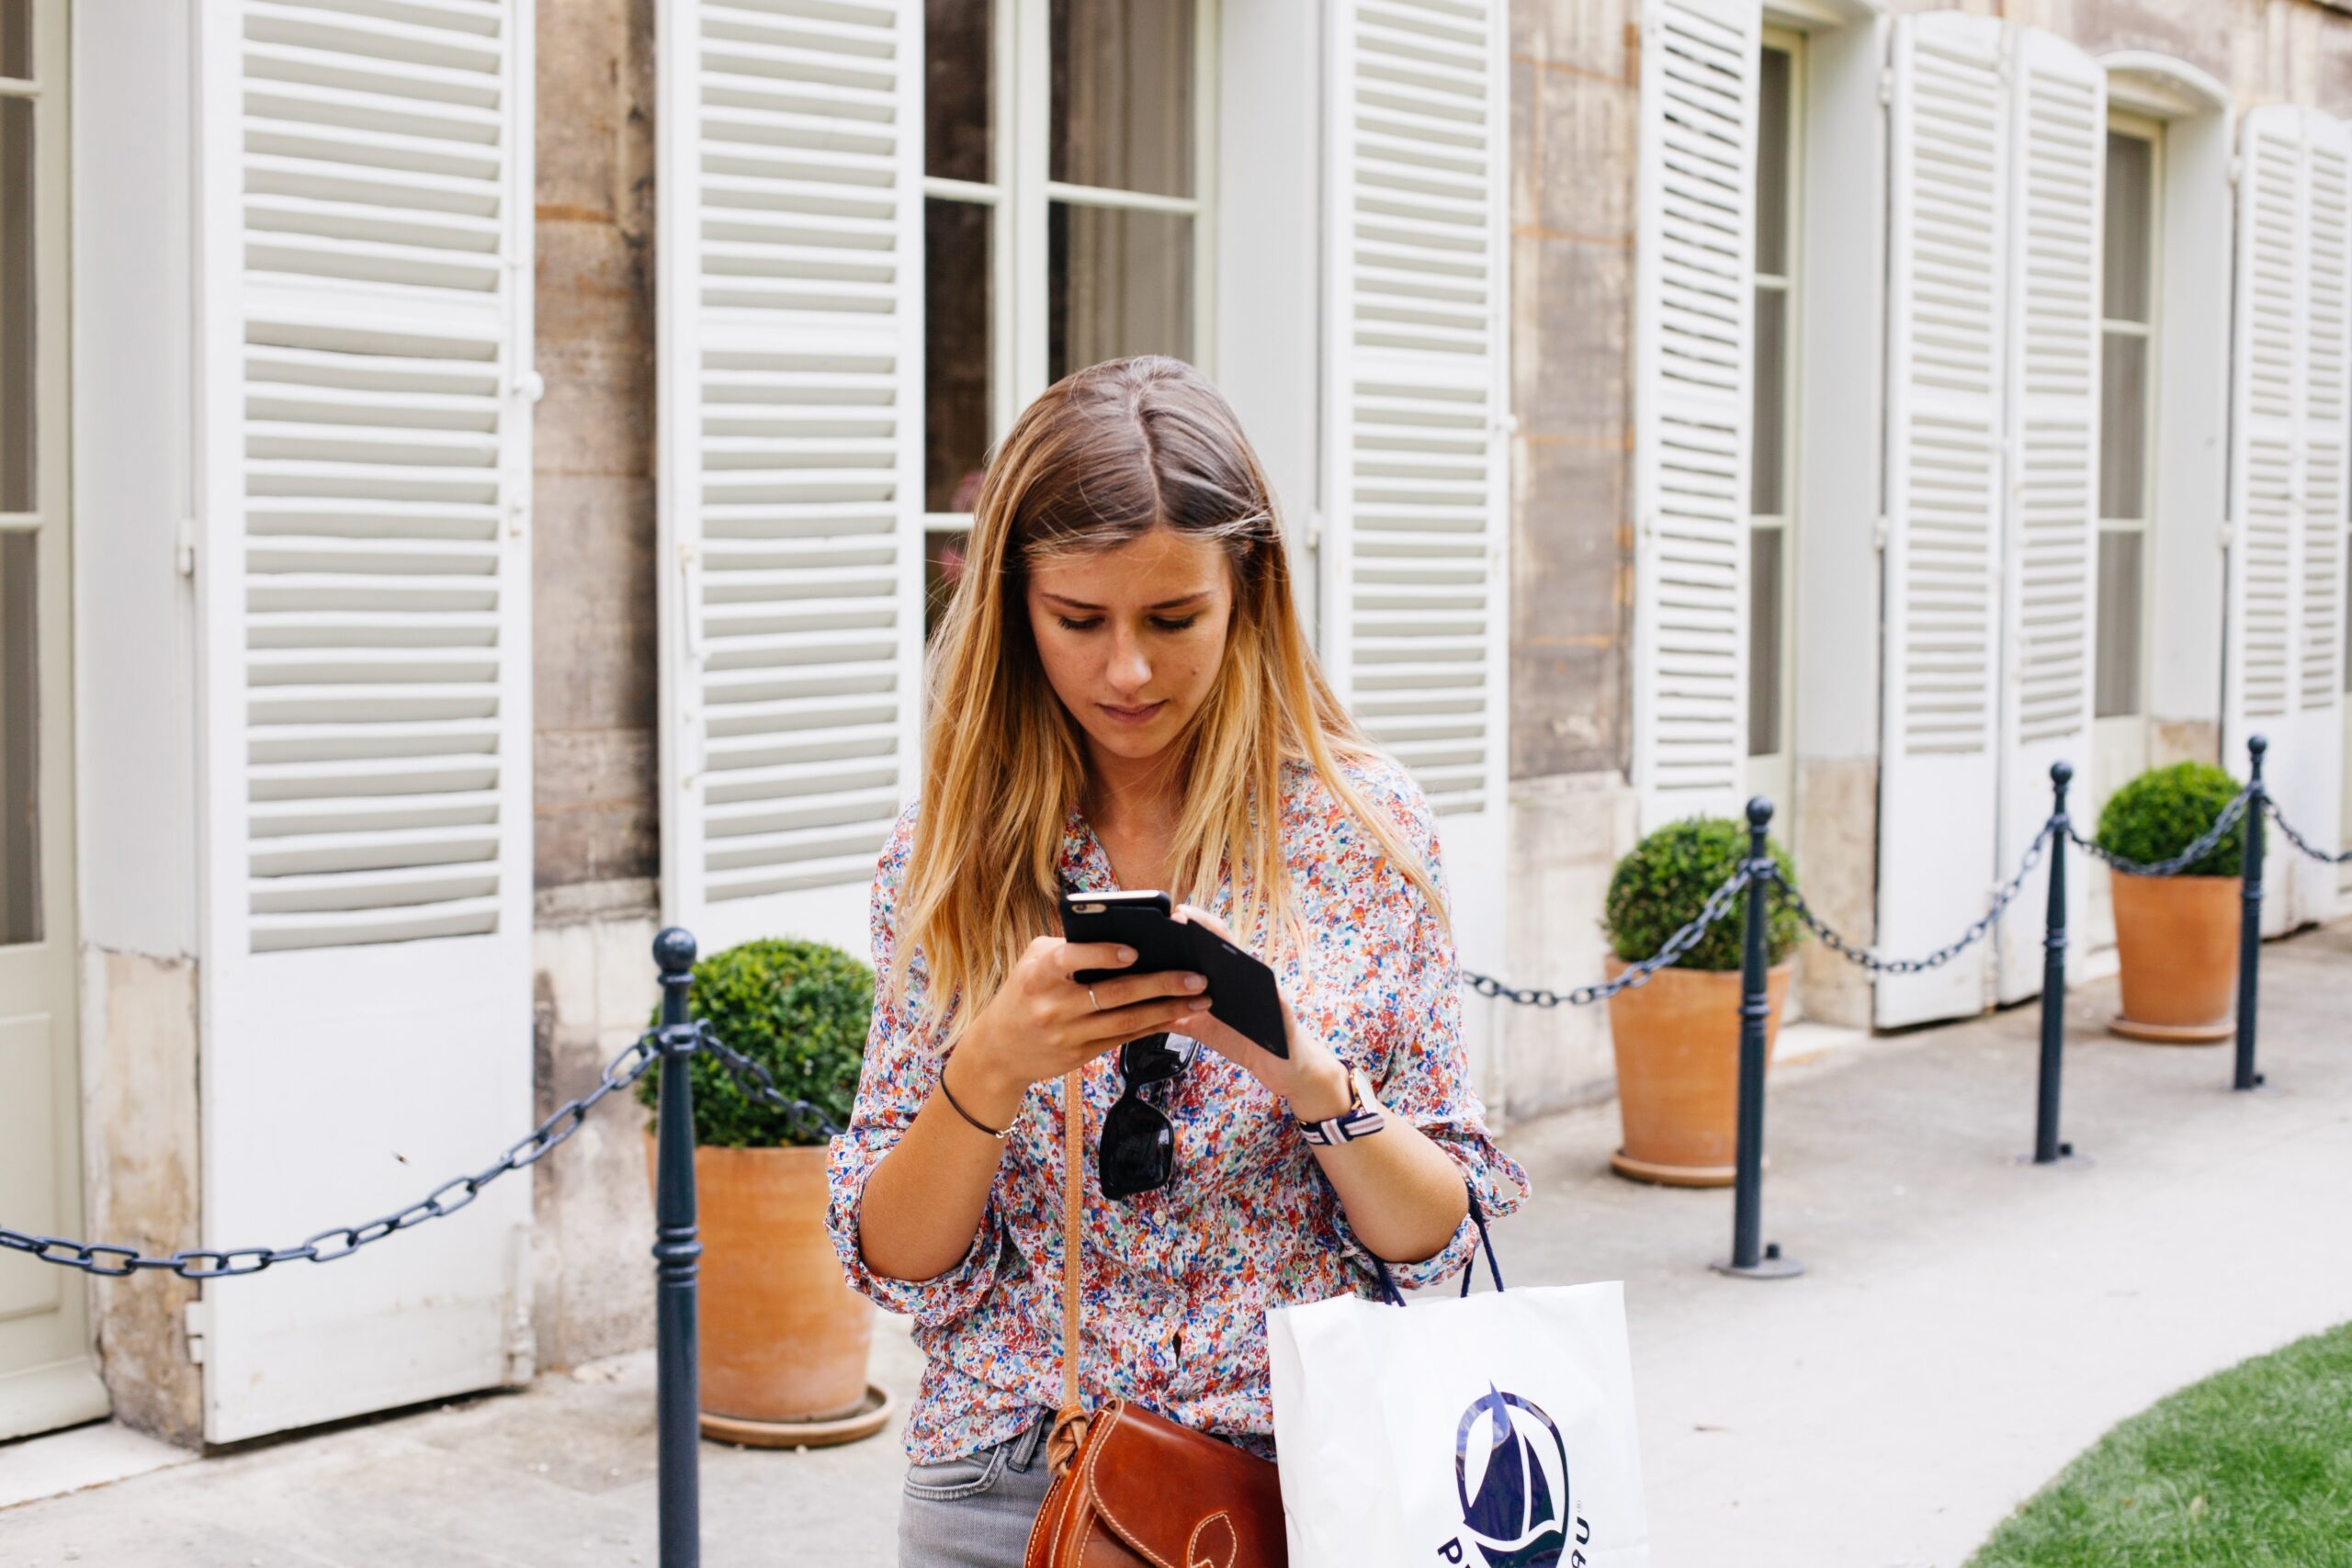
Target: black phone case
x,y
1242,992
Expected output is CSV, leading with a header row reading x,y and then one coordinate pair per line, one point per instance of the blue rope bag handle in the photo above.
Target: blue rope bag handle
x,y
1394,1297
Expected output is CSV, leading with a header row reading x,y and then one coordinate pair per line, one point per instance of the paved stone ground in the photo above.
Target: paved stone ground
x,y
1964,1326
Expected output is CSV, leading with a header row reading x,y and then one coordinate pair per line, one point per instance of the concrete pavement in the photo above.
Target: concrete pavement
x,y
1965,1325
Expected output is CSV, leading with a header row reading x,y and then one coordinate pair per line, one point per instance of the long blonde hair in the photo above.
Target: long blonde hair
x,y
1102,458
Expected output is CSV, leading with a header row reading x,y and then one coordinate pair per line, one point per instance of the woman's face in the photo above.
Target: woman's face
x,y
1131,638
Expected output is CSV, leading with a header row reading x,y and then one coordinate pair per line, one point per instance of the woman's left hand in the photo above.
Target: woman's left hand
x,y
1311,1080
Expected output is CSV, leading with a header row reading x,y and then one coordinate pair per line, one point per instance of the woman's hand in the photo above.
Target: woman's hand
x,y
1042,1023
1311,1080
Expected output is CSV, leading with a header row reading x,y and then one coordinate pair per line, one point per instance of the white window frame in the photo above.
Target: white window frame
x,y
1774,772
1019,200
2151,131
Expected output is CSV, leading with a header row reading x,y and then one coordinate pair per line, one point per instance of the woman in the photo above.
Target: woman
x,y
1122,697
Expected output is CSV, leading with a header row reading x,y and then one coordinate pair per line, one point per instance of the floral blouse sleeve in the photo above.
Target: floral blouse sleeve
x,y
902,1063
1415,1053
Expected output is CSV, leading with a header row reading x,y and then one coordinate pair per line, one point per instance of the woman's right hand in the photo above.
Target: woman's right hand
x,y
1042,1022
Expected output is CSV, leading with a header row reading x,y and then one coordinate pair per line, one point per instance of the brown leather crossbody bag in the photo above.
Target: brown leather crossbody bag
x,y
1131,1488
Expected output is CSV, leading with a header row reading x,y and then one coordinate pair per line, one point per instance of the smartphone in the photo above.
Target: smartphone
x,y
1242,992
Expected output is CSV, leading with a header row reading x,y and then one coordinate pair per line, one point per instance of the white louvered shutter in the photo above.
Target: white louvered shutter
x,y
365,213
790,325
1694,358
2311,780
2050,544
1417,408
1948,227
2286,481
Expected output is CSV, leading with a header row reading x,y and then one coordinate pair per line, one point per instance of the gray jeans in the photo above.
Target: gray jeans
x,y
975,1511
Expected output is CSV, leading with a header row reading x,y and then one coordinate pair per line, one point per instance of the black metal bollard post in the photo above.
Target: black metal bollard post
x,y
1749,1260
2047,1149
2250,914
676,1251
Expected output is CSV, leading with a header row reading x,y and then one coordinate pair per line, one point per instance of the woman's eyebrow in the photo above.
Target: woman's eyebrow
x,y
1066,602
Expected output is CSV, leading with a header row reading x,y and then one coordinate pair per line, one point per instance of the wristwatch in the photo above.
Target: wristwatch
x,y
1361,1119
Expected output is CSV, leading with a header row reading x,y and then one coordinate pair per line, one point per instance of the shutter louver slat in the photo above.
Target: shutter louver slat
x,y
791,236
1692,365
374,179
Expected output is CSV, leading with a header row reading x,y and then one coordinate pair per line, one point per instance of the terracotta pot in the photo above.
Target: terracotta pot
x,y
2179,937
783,1337
1677,1038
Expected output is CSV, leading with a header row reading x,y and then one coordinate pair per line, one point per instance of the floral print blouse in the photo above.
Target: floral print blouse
x,y
1176,1282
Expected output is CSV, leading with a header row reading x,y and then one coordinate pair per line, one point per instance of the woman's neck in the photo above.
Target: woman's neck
x,y
1132,806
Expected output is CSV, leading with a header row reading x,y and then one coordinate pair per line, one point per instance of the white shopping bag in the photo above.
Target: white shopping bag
x,y
1494,1431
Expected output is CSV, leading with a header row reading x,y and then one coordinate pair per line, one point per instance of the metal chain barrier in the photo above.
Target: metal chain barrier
x,y
1717,906
342,1241
1942,956
2299,841
2206,844
754,1080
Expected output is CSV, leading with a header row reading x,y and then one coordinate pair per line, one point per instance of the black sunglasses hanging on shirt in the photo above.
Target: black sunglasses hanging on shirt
x,y
1137,1150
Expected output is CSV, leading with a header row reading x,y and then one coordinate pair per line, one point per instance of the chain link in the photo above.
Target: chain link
x,y
1942,956
342,1241
754,1080
2299,841
2206,844
1681,942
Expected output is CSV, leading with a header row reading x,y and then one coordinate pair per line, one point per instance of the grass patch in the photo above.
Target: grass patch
x,y
2250,1467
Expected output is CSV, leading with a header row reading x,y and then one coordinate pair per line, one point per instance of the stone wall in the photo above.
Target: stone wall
x,y
597,799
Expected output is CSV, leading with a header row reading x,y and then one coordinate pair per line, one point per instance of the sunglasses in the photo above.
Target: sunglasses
x,y
1138,1151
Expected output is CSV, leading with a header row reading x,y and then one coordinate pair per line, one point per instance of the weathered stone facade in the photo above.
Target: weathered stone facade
x,y
598,806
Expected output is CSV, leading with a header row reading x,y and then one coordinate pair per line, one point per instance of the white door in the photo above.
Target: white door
x,y
2287,432
365,213
791,366
2049,536
2132,343
1938,777
46,1376
1693,421
1416,407
1769,720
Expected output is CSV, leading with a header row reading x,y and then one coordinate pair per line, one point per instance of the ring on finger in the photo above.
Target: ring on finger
x,y
1090,997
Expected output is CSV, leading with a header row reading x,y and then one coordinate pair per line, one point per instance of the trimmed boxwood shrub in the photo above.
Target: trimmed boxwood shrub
x,y
2164,810
1663,883
798,1008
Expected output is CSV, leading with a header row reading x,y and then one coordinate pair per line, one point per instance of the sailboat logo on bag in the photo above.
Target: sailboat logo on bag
x,y
1510,1468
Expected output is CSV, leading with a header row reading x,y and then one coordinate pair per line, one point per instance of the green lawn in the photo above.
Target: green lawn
x,y
2252,1466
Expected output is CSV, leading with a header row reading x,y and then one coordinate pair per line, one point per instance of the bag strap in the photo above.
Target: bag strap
x,y
1394,1297
1070,1422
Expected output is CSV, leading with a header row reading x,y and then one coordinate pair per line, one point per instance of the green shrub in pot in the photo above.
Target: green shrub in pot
x,y
2164,810
1665,880
798,1008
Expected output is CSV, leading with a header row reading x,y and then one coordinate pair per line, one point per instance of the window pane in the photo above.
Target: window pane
x,y
959,88
1123,95
17,39
2131,168
942,568
1772,164
956,359
17,251
1119,284
1764,640
2123,426
2117,680
19,742
1766,478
